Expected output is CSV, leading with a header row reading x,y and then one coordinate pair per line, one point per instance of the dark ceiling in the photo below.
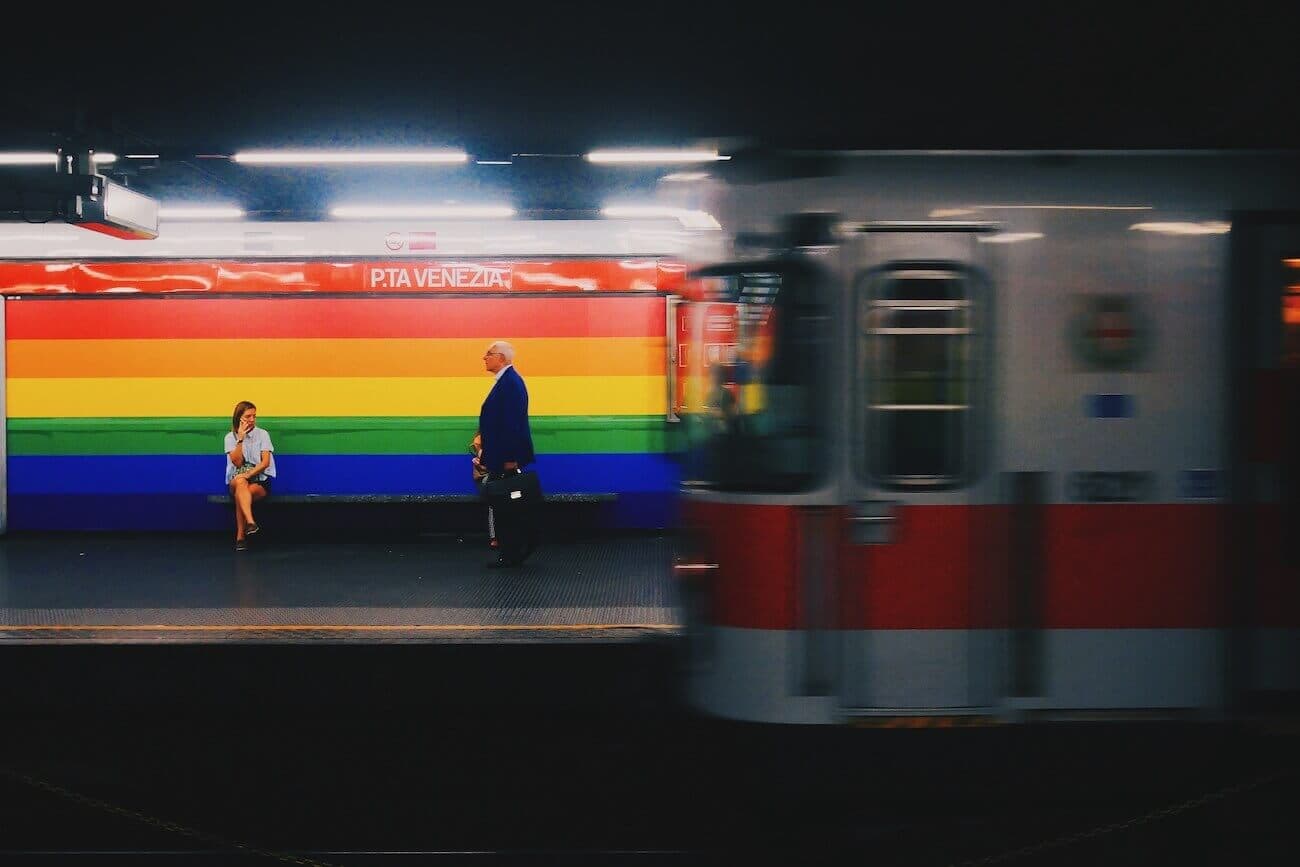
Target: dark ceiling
x,y
555,80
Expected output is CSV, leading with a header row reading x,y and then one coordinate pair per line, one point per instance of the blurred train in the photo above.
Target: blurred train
x,y
361,342
992,436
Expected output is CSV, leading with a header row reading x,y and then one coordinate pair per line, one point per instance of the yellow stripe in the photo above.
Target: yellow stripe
x,y
542,356
340,396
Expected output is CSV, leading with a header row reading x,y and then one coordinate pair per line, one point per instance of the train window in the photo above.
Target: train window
x,y
916,377
758,422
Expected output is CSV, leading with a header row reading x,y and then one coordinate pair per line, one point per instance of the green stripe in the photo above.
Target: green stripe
x,y
327,436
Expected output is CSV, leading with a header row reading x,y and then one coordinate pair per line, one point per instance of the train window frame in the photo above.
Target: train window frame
x,y
966,319
813,388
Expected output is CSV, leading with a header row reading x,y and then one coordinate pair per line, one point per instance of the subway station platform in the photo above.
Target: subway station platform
x,y
160,588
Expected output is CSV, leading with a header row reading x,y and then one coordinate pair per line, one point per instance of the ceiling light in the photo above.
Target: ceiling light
x,y
319,158
1066,207
687,217
199,212
27,159
1010,237
373,212
1177,228
654,156
36,158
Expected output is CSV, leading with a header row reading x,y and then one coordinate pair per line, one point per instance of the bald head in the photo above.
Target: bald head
x,y
507,351
498,355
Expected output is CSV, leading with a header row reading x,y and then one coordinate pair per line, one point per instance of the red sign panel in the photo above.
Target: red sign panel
x,y
206,276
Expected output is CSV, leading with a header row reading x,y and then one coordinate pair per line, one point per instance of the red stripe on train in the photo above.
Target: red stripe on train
x,y
1101,566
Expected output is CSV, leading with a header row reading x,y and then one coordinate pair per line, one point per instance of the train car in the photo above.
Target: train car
x,y
993,436
361,344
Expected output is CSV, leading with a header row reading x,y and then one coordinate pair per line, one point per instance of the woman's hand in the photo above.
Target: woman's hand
x,y
244,427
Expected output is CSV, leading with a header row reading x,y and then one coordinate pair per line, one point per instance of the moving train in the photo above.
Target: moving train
x,y
992,436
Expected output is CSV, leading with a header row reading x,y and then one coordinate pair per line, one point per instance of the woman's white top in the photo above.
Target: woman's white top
x,y
256,441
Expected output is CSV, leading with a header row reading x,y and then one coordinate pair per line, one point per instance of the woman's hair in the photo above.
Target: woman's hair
x,y
240,408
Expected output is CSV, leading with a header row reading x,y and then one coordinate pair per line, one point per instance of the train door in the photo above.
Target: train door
x,y
1264,590
918,596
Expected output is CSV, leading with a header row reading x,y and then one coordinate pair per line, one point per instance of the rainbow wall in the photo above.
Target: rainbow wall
x,y
117,404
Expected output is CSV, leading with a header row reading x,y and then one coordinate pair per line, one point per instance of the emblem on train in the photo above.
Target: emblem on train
x,y
1109,332
395,241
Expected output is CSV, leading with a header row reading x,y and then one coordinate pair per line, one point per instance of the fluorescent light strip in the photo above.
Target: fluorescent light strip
x,y
142,156
27,159
374,212
199,212
1009,237
1180,228
688,218
1066,207
686,176
42,159
652,157
310,158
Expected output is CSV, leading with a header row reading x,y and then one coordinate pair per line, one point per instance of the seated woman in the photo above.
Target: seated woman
x,y
250,467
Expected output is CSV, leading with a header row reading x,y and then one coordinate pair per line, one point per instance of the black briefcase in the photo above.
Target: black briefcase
x,y
516,500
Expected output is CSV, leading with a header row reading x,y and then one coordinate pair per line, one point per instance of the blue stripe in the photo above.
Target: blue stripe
x,y
330,474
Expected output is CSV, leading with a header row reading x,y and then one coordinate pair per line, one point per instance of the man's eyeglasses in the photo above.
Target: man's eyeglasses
x,y
490,352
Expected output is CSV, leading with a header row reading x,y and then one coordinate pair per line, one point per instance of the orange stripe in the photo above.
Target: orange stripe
x,y
156,318
288,357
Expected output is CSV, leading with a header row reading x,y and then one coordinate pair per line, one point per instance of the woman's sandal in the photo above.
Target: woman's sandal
x,y
251,529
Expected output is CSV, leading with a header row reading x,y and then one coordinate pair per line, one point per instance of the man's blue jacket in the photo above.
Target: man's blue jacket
x,y
503,422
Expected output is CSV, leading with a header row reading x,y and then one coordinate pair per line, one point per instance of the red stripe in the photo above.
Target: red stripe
x,y
1134,565
1106,566
755,545
919,581
207,276
215,318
